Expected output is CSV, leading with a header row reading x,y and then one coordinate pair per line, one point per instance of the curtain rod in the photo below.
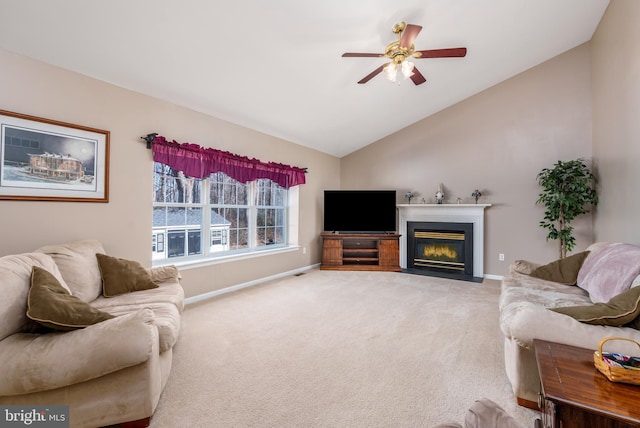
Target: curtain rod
x,y
150,137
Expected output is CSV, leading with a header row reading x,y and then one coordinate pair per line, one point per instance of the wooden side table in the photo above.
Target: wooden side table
x,y
576,394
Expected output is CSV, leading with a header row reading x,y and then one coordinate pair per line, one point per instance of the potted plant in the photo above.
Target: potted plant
x,y
568,190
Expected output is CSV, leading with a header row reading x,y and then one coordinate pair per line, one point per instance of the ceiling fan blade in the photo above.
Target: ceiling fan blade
x,y
360,55
442,53
371,75
409,35
417,77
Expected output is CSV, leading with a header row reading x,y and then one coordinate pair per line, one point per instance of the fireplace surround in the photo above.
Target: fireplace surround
x,y
471,214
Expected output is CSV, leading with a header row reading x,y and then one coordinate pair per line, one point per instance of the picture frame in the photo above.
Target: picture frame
x,y
47,160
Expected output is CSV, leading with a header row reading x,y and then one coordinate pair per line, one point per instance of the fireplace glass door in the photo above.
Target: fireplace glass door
x,y
439,250
440,247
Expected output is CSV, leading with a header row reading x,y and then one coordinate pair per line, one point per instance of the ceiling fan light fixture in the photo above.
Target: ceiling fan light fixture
x,y
407,69
391,71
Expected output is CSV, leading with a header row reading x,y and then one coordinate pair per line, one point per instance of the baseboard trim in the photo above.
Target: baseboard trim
x,y
214,293
496,277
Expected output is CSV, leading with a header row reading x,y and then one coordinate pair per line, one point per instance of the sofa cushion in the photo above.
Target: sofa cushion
x,y
79,267
544,298
167,292
166,318
51,305
120,276
620,310
564,271
609,271
517,287
15,279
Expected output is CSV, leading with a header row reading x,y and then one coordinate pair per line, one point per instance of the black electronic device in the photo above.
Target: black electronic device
x,y
360,211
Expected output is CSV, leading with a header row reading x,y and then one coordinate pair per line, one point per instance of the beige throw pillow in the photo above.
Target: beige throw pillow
x,y
565,271
120,276
51,305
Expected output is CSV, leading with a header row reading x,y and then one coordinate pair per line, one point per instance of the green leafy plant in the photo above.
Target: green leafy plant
x,y
569,190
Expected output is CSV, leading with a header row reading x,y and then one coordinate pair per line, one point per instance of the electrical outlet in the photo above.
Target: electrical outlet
x,y
501,257
304,250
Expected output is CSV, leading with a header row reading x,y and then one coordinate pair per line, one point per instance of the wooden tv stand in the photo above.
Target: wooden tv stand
x,y
361,251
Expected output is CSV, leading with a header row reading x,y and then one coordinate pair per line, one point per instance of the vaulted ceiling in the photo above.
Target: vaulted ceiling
x,y
276,66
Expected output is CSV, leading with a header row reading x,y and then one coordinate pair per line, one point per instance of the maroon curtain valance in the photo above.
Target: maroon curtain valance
x,y
199,162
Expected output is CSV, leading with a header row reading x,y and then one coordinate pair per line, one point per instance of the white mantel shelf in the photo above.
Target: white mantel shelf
x,y
455,213
443,206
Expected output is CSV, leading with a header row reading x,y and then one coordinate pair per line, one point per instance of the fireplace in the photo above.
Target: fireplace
x,y
444,213
440,248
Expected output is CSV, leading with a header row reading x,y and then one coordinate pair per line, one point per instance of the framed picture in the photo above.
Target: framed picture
x,y
46,160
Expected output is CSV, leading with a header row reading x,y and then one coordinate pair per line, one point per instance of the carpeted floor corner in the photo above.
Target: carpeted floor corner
x,y
339,349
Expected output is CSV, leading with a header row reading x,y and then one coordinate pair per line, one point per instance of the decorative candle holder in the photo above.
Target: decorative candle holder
x,y
476,194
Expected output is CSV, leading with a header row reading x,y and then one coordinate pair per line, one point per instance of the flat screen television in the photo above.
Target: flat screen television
x,y
360,211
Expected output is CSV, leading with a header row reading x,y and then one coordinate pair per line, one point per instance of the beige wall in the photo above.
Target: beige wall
x,y
124,224
497,141
616,121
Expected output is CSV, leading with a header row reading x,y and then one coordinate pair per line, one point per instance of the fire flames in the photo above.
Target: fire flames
x,y
440,251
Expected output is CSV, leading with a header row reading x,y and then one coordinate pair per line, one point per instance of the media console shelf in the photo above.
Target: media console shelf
x,y
360,251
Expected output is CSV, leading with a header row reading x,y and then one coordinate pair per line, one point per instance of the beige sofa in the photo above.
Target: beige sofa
x,y
108,373
609,269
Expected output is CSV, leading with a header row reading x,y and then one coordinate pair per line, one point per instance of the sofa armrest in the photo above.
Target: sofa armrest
x,y
164,273
32,363
523,266
522,322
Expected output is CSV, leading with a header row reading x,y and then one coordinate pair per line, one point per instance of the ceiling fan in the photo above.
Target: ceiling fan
x,y
400,51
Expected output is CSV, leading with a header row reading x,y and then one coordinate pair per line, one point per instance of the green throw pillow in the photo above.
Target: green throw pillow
x,y
120,276
620,310
51,305
564,271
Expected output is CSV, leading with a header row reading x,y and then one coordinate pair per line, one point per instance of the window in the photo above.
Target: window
x,y
237,217
230,211
177,213
270,218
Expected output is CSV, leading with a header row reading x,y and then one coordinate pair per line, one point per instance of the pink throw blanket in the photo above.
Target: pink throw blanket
x,y
609,271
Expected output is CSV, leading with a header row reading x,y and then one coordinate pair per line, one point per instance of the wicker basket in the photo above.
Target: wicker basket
x,y
615,374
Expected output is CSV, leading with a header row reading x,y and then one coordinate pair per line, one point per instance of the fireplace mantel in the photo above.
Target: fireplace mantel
x,y
455,213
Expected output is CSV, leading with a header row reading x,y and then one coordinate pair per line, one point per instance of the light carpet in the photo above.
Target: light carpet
x,y
339,349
